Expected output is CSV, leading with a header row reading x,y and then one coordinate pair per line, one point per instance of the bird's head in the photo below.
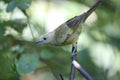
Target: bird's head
x,y
45,39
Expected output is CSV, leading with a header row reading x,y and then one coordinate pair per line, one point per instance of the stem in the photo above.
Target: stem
x,y
82,70
28,21
74,55
61,76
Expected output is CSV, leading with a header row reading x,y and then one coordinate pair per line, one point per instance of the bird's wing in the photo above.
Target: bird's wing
x,y
62,32
75,22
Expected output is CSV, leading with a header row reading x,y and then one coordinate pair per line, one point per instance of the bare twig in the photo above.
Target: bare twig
x,y
61,77
81,70
74,54
28,23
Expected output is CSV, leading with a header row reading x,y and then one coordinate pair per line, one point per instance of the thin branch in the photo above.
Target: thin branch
x,y
81,70
28,23
61,77
31,30
74,55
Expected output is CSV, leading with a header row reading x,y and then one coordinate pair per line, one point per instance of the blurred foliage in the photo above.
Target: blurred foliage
x,y
22,4
22,59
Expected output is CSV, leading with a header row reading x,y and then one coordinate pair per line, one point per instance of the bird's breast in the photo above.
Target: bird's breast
x,y
72,38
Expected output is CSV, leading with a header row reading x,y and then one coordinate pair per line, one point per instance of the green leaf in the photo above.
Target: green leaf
x,y
6,65
27,63
46,54
11,6
17,48
22,4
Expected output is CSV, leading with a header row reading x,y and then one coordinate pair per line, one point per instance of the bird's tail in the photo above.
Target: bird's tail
x,y
92,9
74,22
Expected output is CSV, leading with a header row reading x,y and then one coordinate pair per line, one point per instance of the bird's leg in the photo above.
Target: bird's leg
x,y
74,54
76,65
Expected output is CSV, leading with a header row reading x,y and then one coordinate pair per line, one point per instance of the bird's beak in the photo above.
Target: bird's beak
x,y
40,41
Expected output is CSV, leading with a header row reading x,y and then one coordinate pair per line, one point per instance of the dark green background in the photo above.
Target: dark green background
x,y
19,57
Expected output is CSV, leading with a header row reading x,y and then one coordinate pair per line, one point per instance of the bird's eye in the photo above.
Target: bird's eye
x,y
44,38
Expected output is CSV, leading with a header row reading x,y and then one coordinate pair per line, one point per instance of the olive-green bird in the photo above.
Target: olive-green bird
x,y
68,32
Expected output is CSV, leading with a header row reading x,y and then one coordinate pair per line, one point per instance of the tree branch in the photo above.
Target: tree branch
x,y
74,55
81,70
61,77
28,22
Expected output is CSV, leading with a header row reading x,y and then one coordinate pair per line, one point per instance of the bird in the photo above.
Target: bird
x,y
68,32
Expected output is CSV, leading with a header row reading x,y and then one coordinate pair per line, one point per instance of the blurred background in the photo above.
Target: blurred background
x,y
23,21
